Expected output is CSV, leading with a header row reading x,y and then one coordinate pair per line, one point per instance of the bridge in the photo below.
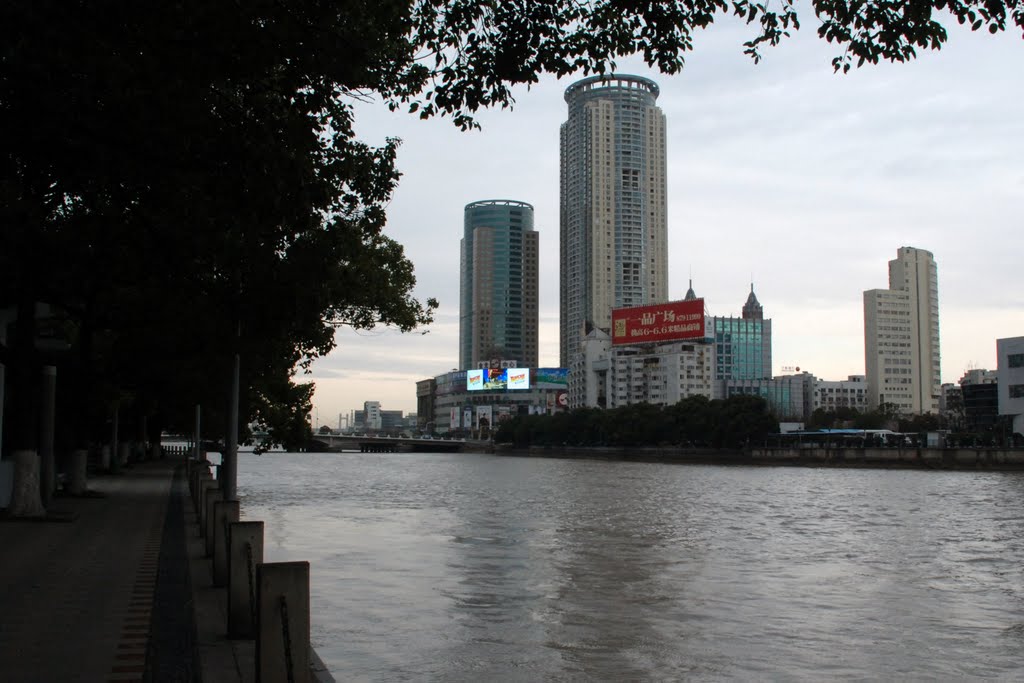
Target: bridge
x,y
367,443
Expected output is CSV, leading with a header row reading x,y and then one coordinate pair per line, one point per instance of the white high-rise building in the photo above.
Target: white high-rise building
x,y
901,336
613,230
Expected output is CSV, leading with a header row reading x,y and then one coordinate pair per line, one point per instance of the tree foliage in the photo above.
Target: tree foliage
x,y
695,422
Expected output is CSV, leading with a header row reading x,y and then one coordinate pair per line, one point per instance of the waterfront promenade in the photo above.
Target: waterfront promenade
x,y
114,587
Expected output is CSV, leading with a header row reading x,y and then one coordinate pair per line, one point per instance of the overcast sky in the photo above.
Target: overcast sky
x,y
803,180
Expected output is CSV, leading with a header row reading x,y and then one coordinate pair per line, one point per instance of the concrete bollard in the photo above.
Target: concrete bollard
x,y
224,513
214,495
195,485
77,472
282,636
245,552
199,473
205,486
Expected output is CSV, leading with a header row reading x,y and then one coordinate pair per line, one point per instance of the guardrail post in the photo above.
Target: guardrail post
x,y
245,553
282,637
224,512
213,496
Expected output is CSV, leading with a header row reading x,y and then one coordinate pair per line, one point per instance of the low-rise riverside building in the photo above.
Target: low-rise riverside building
x,y
980,395
469,401
848,393
790,397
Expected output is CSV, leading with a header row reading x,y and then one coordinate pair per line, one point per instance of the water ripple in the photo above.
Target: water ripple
x,y
468,567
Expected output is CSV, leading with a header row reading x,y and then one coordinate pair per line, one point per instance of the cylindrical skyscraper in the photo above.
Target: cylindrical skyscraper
x,y
498,286
613,228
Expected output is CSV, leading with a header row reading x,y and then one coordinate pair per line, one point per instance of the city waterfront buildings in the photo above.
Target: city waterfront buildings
x,y
613,249
498,314
666,368
901,336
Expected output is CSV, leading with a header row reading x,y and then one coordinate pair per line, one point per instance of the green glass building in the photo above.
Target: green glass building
x,y
498,313
743,346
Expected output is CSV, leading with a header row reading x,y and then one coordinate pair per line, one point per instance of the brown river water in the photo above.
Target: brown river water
x,y
471,567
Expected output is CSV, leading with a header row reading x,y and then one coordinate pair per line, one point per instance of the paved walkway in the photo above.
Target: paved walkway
x,y
104,595
115,586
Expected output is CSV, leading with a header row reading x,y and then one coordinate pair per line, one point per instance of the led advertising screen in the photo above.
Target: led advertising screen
x,y
518,378
475,380
670,321
485,379
552,378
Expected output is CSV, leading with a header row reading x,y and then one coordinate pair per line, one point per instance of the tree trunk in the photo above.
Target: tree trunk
x,y
25,498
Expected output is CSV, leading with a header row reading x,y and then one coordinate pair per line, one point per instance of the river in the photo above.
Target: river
x,y
467,567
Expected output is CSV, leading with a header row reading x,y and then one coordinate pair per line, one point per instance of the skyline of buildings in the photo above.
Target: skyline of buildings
x,y
613,232
613,254
498,290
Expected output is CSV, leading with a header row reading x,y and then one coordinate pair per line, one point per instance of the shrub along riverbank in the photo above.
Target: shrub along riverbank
x,y
694,422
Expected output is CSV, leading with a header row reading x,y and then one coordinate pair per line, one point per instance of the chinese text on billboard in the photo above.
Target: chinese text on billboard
x,y
670,321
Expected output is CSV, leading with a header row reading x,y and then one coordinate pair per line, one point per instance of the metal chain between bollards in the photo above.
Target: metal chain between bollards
x,y
252,585
286,634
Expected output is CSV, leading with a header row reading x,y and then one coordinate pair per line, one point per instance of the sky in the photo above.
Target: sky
x,y
782,173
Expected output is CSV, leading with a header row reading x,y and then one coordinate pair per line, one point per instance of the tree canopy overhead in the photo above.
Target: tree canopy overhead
x,y
173,173
467,53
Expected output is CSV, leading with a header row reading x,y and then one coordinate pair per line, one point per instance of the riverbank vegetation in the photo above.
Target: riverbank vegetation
x,y
696,422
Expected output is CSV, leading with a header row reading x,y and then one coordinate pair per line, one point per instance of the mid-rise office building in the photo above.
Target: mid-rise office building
x,y
901,336
613,231
498,314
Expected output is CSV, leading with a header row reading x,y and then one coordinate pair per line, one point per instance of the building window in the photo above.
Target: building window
x,y
1017,391
1015,360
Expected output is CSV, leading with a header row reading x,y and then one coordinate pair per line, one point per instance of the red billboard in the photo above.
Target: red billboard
x,y
667,322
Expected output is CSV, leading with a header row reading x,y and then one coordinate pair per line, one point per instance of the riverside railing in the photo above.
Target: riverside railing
x,y
268,602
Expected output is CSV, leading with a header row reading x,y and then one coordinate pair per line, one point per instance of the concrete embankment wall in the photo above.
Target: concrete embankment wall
x,y
920,458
